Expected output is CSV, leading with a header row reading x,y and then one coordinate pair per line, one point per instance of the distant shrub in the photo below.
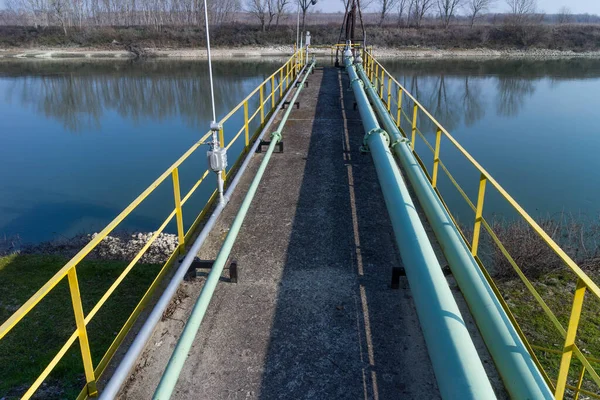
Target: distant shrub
x,y
579,238
505,35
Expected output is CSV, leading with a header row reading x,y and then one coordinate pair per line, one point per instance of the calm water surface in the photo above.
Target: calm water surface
x,y
534,125
81,140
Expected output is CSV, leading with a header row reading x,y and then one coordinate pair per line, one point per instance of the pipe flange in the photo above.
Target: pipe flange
x,y
398,141
354,80
276,135
365,146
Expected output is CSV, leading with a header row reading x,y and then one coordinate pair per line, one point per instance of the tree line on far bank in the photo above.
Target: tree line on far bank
x,y
392,23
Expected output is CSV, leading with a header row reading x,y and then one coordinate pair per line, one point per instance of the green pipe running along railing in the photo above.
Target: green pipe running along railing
x,y
458,369
521,376
256,108
184,344
561,375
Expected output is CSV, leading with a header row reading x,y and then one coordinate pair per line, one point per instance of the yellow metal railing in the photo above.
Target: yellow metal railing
x,y
274,88
395,95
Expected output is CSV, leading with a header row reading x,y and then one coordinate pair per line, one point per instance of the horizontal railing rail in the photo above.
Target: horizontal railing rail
x,y
396,97
267,96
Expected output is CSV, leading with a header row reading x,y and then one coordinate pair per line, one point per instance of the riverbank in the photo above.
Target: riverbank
x,y
285,51
115,247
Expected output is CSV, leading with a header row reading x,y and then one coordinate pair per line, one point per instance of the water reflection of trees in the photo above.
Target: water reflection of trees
x,y
512,93
457,91
451,101
80,98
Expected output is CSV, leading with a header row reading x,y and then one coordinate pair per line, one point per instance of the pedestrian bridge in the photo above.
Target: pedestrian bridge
x,y
328,265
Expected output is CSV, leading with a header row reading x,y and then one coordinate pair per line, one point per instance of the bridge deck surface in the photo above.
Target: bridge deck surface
x,y
313,315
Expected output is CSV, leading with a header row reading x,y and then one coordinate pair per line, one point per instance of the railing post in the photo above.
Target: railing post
x,y
565,361
178,211
287,75
414,127
436,157
478,214
281,83
377,75
389,94
262,104
246,127
382,83
84,343
272,91
399,115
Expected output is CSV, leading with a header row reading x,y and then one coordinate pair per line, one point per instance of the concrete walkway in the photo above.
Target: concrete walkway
x,y
313,316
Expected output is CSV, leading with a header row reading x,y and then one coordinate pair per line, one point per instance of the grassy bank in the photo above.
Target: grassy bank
x,y
30,346
579,238
576,37
557,290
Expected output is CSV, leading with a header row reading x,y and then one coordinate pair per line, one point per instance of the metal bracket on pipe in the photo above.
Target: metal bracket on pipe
x,y
298,84
287,103
267,143
365,147
198,265
397,272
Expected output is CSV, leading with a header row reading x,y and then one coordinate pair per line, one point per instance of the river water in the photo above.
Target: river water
x,y
80,140
532,124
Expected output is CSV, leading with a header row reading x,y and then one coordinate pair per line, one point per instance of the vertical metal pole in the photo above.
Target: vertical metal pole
x,y
565,361
382,83
376,75
436,157
414,127
399,115
478,214
246,127
178,211
281,83
84,343
262,104
272,91
389,97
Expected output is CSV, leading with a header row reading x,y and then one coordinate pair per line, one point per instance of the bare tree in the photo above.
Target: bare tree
x,y
520,9
565,15
260,9
476,7
403,8
419,8
60,11
447,10
304,6
281,9
385,7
